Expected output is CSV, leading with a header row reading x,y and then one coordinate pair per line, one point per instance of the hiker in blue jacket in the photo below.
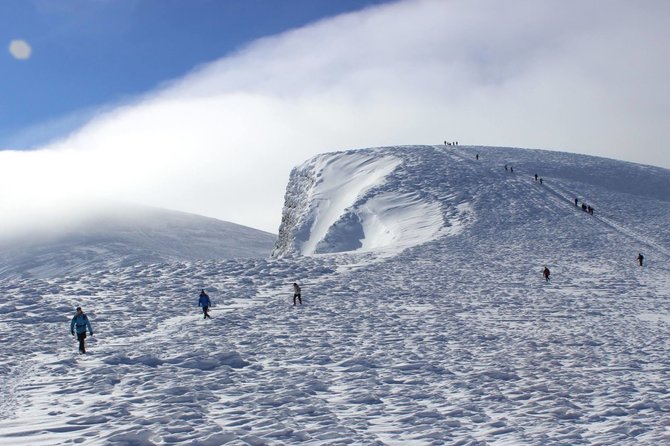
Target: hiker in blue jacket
x,y
205,303
80,322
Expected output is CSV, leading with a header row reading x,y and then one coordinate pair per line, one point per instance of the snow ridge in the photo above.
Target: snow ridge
x,y
118,235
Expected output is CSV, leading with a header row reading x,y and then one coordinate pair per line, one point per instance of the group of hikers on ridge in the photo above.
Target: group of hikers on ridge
x,y
205,302
585,207
546,272
80,322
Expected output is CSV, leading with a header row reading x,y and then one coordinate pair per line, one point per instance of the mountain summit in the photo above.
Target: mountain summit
x,y
386,200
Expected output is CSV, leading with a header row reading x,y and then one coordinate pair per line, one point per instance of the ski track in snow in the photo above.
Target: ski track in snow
x,y
456,341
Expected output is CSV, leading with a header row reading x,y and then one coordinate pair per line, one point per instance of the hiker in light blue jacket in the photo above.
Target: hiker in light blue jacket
x,y
80,322
205,303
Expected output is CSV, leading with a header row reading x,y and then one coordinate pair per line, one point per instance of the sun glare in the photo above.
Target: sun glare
x,y
20,49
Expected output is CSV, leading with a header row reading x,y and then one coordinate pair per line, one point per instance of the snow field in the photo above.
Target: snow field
x,y
456,340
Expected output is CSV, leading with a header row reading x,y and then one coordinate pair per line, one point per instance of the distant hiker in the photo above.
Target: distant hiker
x,y
546,273
296,293
477,156
576,201
540,181
583,206
505,167
591,210
535,177
205,303
640,258
79,324
511,169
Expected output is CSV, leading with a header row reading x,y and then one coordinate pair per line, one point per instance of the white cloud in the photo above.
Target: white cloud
x,y
568,75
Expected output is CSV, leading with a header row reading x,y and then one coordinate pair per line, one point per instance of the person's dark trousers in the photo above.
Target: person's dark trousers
x,y
297,296
81,337
205,311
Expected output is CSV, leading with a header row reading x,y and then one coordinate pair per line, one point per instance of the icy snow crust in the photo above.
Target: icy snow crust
x,y
457,340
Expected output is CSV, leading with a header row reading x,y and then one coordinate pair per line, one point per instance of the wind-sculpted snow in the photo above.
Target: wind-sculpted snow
x,y
455,340
364,201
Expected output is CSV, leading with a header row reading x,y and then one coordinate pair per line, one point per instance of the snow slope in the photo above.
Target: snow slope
x,y
118,235
455,340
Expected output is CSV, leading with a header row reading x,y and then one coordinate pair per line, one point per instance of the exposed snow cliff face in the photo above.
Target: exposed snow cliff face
x,y
366,201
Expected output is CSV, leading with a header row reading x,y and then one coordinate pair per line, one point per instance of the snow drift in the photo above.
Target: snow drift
x,y
363,201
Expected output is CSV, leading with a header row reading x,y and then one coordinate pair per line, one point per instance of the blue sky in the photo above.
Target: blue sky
x,y
205,107
89,53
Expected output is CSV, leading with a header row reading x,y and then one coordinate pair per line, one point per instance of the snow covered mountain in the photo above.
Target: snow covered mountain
x,y
390,199
123,235
426,320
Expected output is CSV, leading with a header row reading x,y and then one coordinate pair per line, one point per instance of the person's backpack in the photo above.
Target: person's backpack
x,y
77,324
